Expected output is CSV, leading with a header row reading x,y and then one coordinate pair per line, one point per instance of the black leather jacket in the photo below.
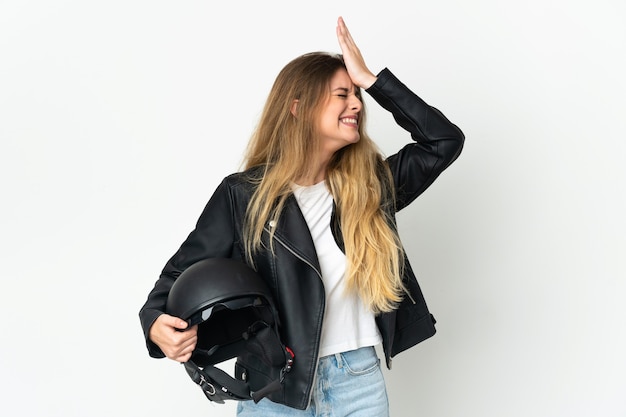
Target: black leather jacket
x,y
293,273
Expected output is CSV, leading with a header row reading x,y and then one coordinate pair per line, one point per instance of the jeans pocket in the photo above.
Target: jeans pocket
x,y
360,362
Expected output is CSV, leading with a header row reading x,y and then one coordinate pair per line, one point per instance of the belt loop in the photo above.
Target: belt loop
x,y
339,360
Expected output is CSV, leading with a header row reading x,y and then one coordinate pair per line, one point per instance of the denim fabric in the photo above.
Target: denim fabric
x,y
346,384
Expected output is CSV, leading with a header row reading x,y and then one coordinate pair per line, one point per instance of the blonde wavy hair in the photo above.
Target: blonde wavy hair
x,y
357,177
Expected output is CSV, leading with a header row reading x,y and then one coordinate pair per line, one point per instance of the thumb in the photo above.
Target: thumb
x,y
175,322
180,323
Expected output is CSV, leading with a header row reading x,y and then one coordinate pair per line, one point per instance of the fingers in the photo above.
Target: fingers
x,y
175,344
355,64
184,349
181,345
346,43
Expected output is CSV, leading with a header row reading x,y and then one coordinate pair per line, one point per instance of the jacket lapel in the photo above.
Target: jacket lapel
x,y
293,231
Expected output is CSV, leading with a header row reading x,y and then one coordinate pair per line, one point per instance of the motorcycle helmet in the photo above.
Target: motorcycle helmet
x,y
235,314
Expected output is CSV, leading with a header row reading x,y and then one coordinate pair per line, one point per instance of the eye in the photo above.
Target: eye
x,y
342,95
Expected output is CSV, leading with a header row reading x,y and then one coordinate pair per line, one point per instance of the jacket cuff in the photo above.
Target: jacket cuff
x,y
147,319
384,77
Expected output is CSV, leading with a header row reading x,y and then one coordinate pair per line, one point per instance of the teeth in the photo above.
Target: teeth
x,y
350,120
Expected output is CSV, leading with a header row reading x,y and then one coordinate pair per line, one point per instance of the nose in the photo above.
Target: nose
x,y
355,103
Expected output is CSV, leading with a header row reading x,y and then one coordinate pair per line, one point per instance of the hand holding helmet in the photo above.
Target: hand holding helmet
x,y
232,314
177,345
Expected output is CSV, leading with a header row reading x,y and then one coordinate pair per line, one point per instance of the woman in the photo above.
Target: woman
x,y
314,214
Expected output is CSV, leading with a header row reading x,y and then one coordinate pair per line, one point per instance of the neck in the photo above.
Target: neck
x,y
308,180
316,174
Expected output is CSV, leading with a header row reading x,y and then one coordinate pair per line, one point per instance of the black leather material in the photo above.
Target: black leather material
x,y
292,273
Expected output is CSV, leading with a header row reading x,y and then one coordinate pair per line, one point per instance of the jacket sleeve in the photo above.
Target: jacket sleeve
x,y
437,141
212,237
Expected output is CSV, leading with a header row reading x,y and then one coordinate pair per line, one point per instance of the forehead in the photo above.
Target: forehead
x,y
341,79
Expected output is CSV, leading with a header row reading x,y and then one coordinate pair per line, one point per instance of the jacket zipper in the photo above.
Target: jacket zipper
x,y
409,294
319,274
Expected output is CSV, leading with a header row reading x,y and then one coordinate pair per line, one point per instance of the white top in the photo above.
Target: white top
x,y
347,325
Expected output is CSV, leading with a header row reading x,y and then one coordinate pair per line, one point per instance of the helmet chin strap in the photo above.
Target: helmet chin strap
x,y
219,386
216,384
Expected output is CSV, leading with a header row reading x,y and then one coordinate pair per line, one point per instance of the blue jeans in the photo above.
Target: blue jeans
x,y
349,383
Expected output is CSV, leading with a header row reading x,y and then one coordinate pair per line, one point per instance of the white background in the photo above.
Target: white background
x,y
119,118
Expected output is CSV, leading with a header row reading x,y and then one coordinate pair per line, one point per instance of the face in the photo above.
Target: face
x,y
338,123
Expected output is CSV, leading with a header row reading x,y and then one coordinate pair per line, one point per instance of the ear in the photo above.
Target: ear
x,y
294,107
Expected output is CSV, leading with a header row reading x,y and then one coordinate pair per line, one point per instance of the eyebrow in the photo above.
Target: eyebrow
x,y
341,89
